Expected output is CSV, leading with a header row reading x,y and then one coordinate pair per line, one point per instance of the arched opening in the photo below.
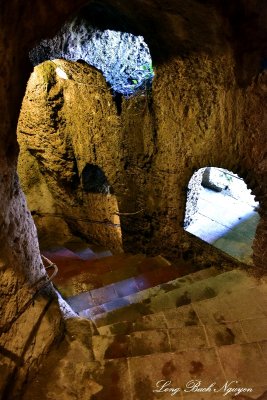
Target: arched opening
x,y
222,211
64,158
123,58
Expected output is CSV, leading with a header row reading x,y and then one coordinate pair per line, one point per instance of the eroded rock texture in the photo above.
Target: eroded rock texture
x,y
69,135
28,328
123,58
147,150
207,108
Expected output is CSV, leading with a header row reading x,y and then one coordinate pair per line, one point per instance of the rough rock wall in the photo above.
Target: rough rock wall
x,y
200,116
22,275
68,132
255,161
193,117
183,111
27,329
193,191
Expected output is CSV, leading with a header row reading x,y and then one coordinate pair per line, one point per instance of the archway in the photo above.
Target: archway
x,y
123,58
222,211
125,62
27,22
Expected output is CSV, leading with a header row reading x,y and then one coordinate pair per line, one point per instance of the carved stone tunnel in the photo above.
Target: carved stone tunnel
x,y
206,106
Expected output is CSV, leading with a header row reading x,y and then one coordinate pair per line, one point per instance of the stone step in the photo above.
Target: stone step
x,y
210,323
77,276
167,340
131,273
87,251
139,304
246,305
110,269
130,291
131,266
173,318
61,255
76,259
69,265
68,262
138,377
207,288
102,266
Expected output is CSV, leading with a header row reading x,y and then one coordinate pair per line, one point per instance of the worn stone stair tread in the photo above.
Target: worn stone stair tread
x,y
64,257
203,289
118,261
138,296
220,309
133,265
69,265
240,312
247,367
190,332
66,280
200,290
146,322
159,271
59,254
138,344
81,248
188,336
85,301
115,300
179,317
127,265
76,275
82,275
86,254
100,251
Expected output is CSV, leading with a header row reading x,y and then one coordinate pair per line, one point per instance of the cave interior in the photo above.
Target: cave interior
x,y
133,199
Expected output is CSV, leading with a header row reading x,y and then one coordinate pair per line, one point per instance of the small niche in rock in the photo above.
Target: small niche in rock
x,y
123,58
94,180
222,211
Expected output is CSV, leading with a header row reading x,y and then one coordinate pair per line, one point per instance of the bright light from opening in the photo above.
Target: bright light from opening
x,y
123,58
222,211
62,74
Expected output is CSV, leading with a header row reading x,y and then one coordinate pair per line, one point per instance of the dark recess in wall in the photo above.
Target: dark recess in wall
x,y
94,180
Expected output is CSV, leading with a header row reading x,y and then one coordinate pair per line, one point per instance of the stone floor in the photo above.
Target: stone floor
x,y
228,220
152,330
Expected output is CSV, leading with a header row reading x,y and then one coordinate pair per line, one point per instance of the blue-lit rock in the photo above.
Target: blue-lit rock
x,y
123,58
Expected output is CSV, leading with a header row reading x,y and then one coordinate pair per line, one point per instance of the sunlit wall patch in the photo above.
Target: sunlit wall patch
x,y
123,58
62,74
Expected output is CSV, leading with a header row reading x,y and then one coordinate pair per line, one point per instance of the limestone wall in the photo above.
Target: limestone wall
x,y
65,127
28,328
195,116
208,108
201,118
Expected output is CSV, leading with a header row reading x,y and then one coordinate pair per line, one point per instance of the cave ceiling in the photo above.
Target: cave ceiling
x,y
177,28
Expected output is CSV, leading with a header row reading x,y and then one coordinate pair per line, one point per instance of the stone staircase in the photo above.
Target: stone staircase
x,y
164,330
